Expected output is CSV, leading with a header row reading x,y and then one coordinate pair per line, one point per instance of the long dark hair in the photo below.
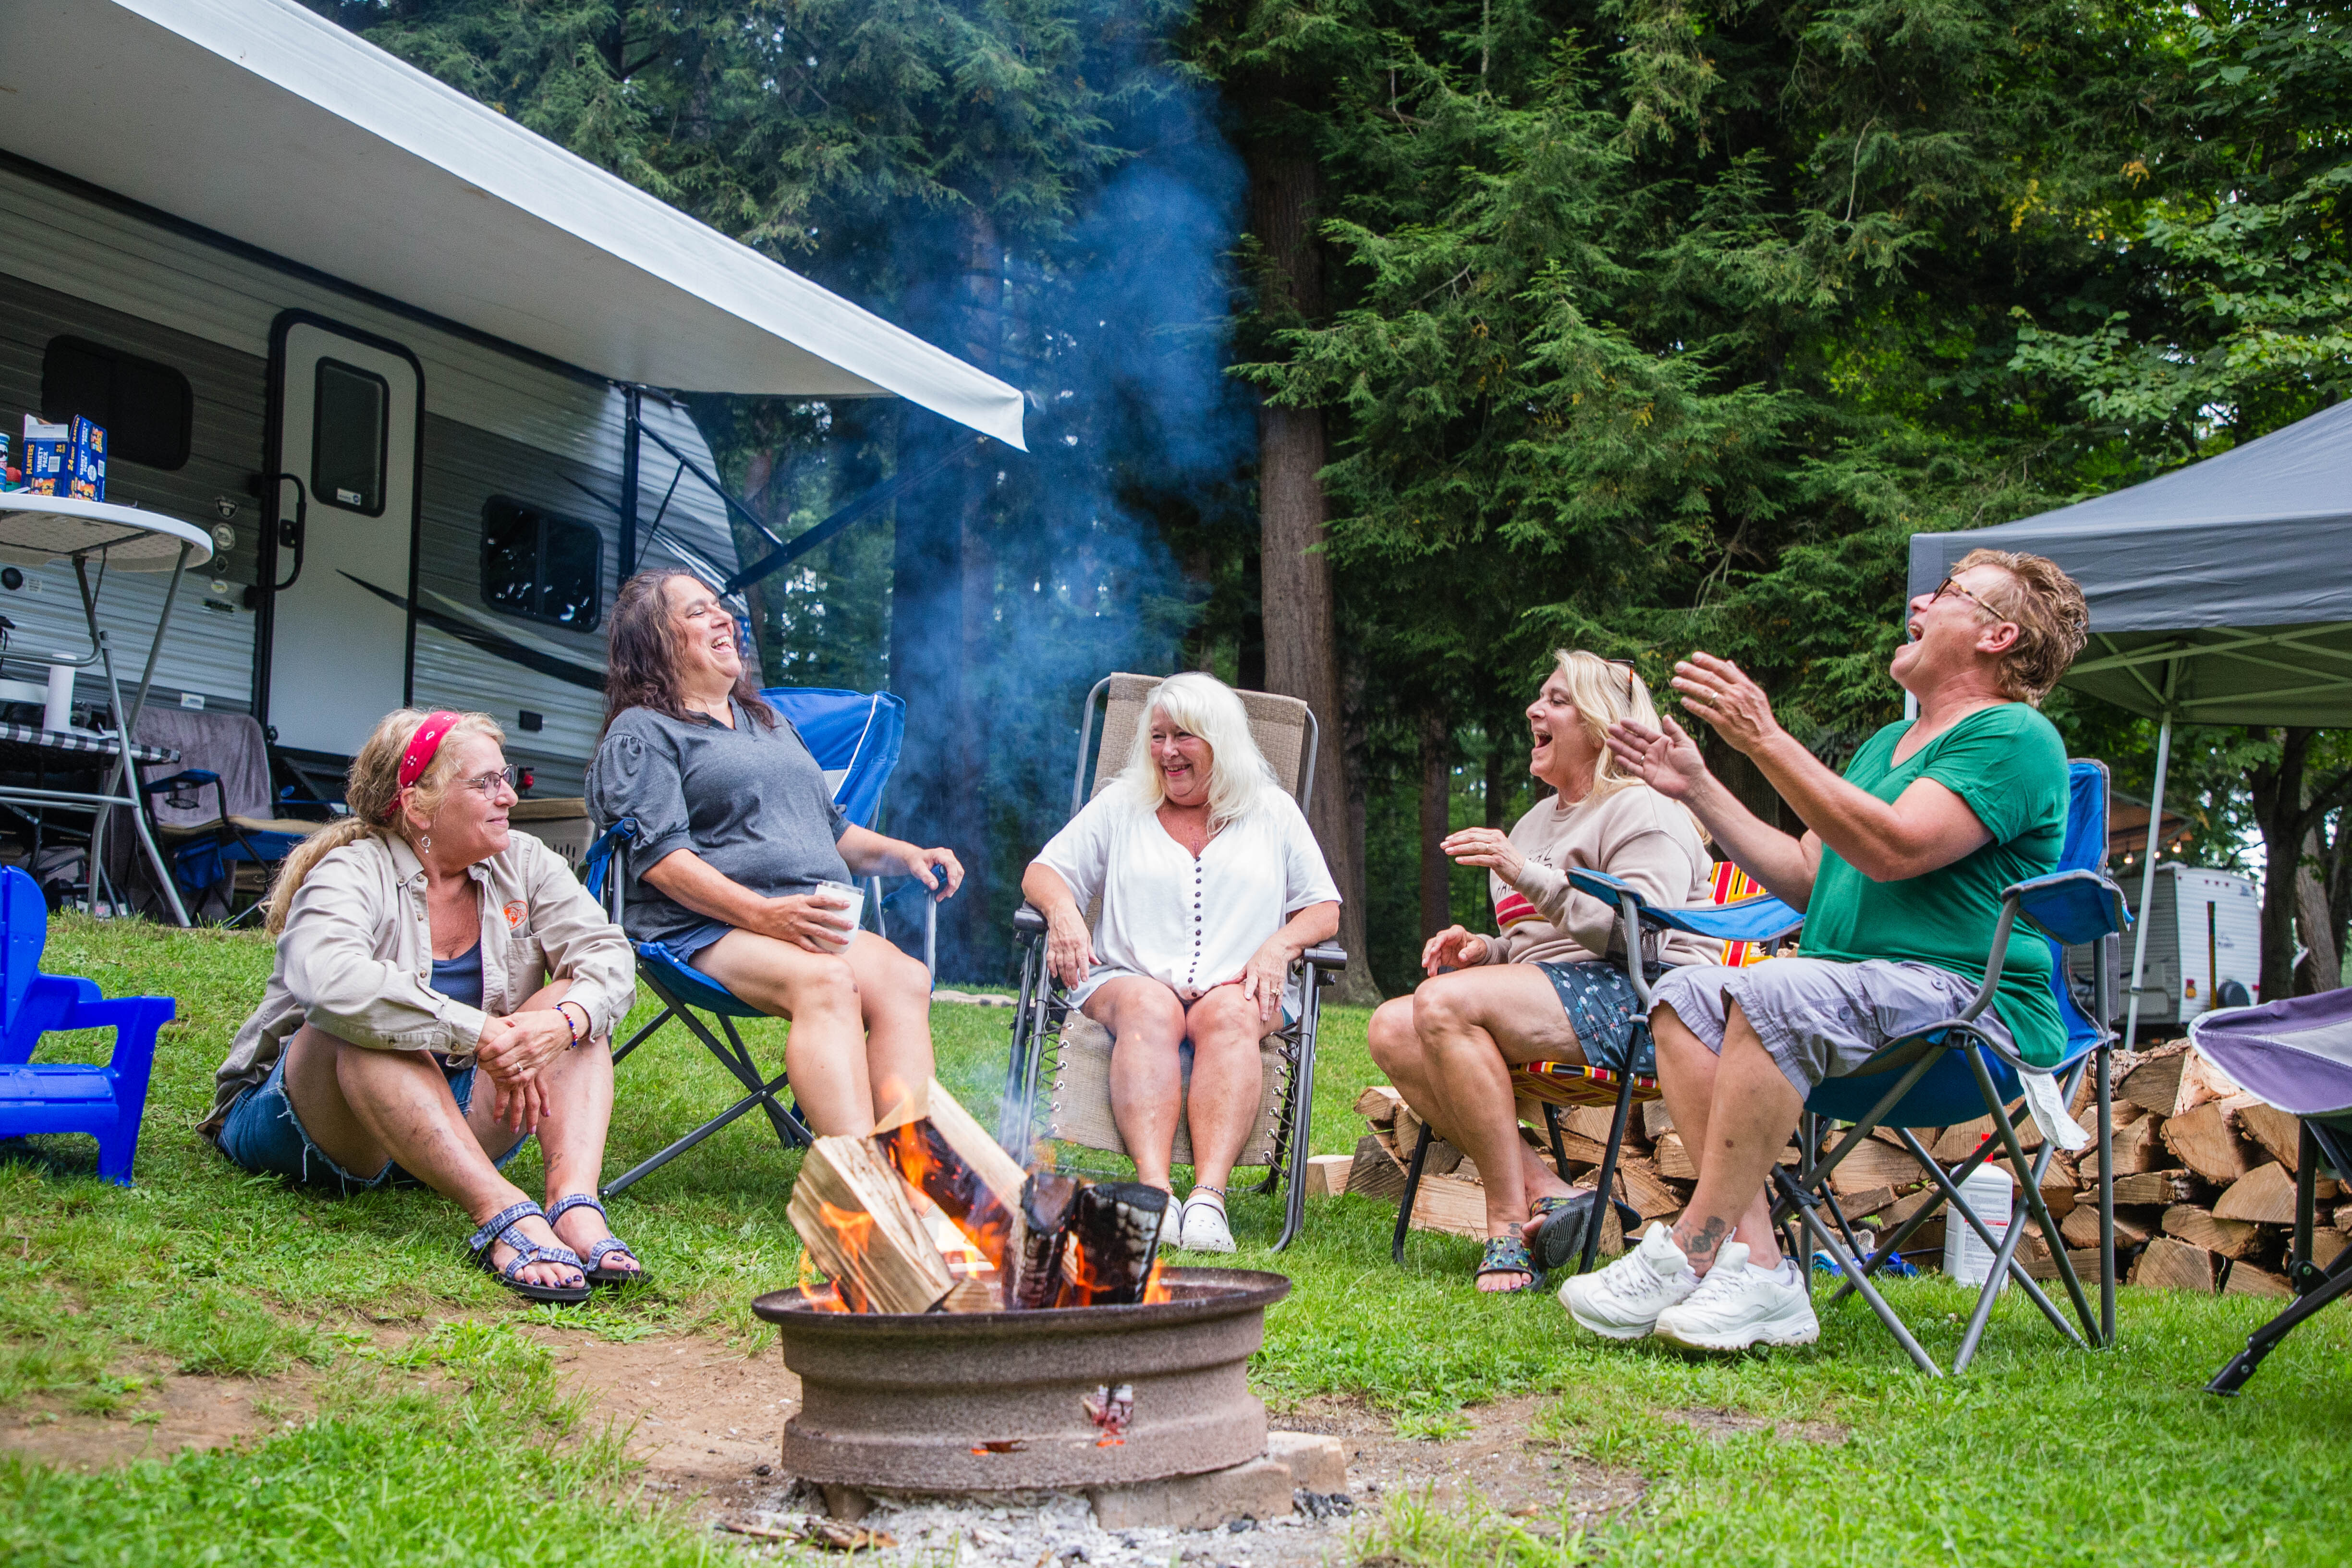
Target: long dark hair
x,y
641,657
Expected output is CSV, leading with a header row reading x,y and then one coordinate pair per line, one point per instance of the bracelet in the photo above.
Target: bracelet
x,y
577,1034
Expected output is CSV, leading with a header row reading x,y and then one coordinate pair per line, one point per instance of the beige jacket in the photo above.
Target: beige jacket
x,y
1635,835
356,958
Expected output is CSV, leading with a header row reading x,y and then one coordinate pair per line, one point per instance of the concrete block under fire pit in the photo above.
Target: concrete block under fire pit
x,y
1259,1489
1317,1463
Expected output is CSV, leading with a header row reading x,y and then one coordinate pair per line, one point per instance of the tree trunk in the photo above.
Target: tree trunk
x,y
2322,967
2277,788
1436,802
1498,782
1302,651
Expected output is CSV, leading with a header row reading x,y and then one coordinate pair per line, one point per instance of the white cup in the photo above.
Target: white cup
x,y
57,713
842,892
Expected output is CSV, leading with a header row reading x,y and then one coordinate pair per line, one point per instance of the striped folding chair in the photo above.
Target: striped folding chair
x,y
855,738
1742,917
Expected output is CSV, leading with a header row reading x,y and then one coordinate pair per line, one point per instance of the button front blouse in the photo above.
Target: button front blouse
x,y
1189,923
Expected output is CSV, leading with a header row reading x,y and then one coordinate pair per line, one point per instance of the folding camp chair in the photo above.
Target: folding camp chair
x,y
214,816
1953,1073
1054,1043
2296,1054
855,738
1744,921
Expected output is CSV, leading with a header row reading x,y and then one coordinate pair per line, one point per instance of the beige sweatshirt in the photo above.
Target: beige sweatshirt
x,y
1635,835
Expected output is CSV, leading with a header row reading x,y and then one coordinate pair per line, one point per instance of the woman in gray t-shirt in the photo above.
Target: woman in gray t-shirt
x,y
736,826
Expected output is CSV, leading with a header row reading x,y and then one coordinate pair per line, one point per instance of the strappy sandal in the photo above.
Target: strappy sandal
x,y
527,1252
603,1247
1508,1255
1557,1226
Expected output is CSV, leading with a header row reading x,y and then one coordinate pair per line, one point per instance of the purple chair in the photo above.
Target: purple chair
x,y
2296,1054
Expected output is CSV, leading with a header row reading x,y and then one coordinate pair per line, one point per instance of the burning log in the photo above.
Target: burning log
x,y
1112,1238
944,1155
1037,1239
855,1214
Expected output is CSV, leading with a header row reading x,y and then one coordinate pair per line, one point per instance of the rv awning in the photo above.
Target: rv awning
x,y
266,122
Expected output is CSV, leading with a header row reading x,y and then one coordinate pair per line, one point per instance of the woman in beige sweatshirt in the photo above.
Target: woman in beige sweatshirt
x,y
1548,987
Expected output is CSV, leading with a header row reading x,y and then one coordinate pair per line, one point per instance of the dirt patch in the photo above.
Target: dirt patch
x,y
705,1418
166,1415
1709,1421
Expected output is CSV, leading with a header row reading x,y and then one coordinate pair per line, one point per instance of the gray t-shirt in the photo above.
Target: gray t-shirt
x,y
750,802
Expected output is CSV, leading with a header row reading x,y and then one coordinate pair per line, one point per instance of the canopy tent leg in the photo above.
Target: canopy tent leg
x,y
2147,867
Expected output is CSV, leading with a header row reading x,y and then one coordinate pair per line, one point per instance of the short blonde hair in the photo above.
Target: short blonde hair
x,y
1202,704
2052,618
1604,691
372,791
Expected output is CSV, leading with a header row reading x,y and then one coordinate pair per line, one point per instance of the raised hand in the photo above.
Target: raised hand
x,y
1456,948
1487,847
1668,761
1721,694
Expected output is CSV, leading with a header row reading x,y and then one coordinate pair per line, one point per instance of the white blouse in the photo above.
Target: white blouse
x,y
1189,924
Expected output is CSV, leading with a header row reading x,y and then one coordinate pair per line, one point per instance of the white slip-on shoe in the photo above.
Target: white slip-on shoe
x,y
1171,1225
1738,1306
1205,1229
1624,1301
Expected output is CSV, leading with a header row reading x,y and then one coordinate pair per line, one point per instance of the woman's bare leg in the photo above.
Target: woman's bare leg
x,y
1474,1026
825,1052
894,991
578,1086
1147,1081
362,1107
1728,1109
1220,1106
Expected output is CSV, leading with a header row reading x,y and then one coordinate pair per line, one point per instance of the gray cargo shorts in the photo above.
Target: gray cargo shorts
x,y
1820,1019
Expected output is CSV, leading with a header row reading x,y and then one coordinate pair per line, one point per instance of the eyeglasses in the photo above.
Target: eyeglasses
x,y
1952,585
488,784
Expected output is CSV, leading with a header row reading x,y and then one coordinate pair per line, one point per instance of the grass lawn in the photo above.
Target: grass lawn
x,y
459,1448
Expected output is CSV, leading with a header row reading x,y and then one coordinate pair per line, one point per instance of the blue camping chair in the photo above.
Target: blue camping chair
x,y
107,1102
1953,1074
855,738
2295,1054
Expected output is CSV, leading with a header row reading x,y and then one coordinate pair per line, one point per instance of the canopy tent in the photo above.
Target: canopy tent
x,y
2218,593
264,121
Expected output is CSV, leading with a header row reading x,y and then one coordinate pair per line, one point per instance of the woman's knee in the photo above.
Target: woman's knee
x,y
1393,1040
1226,1019
1444,1006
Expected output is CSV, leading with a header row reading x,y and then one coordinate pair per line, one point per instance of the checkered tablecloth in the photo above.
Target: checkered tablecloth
x,y
26,745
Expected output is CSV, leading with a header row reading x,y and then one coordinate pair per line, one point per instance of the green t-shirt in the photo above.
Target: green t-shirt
x,y
2008,763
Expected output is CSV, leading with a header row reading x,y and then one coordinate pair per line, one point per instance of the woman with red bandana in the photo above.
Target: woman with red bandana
x,y
423,949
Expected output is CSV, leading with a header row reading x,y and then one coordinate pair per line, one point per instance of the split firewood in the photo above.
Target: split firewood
x,y
2036,1255
2225,1238
935,1144
2080,1229
1326,1174
1655,1119
1673,1160
1374,1172
1862,1204
2153,1081
1648,1192
1959,1141
2059,1196
1593,1122
2202,1140
2161,1189
1039,1214
2278,1132
1874,1164
2266,1196
2165,1264
1379,1104
2245,1279
1406,1126
1113,1235
2201,1083
2138,1147
856,1216
2326,1246
1451,1204
1442,1159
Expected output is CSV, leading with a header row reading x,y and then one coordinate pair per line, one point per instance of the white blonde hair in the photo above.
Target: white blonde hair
x,y
1605,691
1202,704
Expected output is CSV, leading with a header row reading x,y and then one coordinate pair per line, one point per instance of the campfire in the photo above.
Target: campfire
x,y
928,1215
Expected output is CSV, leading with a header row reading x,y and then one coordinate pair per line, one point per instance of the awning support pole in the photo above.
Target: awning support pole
x,y
631,443
2148,869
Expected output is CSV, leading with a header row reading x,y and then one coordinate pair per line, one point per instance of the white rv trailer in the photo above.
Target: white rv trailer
x,y
395,351
2205,931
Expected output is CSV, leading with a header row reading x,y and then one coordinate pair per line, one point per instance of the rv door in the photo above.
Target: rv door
x,y
347,416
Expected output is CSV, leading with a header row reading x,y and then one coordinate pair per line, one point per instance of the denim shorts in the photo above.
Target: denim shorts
x,y
263,1135
1606,1015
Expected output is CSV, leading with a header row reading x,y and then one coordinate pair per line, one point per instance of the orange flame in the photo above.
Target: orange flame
x,y
853,1231
816,1290
932,1168
1155,1289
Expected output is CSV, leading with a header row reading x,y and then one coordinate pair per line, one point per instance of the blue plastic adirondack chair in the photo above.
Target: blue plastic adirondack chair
x,y
68,1097
855,738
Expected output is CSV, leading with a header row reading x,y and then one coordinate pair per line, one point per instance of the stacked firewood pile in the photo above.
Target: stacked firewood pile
x,y
2204,1178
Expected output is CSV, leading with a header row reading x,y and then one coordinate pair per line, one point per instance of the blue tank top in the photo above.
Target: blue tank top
x,y
460,978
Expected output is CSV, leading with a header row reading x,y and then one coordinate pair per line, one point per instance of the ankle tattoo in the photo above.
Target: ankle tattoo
x,y
1700,1242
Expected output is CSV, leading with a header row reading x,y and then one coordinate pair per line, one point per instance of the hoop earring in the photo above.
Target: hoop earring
x,y
424,843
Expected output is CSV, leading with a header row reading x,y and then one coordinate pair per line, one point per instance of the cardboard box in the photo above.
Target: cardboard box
x,y
45,458
8,470
85,460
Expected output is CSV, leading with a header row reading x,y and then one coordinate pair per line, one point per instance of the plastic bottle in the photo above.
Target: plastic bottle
x,y
1992,1193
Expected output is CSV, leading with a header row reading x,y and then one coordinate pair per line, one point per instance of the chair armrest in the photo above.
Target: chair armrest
x,y
1028,921
1327,956
2076,907
184,777
1760,919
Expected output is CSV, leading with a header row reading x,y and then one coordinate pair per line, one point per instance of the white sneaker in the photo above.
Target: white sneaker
x,y
1738,1306
1205,1229
1171,1225
1624,1301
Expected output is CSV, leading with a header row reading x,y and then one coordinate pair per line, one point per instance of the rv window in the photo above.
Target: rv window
x,y
537,564
146,409
351,430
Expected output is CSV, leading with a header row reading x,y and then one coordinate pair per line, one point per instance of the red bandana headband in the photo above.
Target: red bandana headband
x,y
421,745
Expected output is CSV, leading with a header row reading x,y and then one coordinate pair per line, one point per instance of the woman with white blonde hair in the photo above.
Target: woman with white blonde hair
x,y
424,947
1212,888
1550,986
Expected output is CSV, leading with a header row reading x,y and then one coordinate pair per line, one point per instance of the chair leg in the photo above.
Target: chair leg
x,y
2020,1165
643,1034
1302,1118
1801,1205
1608,1175
655,1162
789,1130
2265,1339
1013,1116
117,1148
1411,1186
2106,1198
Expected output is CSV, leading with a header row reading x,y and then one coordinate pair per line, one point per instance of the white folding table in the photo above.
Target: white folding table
x,y
36,531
